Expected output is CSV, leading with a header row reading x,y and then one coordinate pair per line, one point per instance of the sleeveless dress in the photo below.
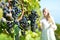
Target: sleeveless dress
x,y
47,30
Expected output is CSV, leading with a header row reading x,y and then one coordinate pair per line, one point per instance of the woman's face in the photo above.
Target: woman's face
x,y
45,12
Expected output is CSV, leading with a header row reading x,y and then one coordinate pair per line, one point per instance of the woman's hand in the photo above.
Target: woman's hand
x,y
52,25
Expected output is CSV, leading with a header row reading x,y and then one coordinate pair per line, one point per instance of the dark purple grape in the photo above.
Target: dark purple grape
x,y
2,3
5,8
19,11
7,4
13,11
5,12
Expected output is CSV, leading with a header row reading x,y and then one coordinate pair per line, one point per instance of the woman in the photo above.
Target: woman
x,y
48,26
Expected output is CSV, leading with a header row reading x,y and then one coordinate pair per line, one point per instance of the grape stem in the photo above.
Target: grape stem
x,y
22,12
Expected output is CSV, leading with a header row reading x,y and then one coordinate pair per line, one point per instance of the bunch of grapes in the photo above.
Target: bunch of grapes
x,y
14,2
24,23
9,26
32,17
14,11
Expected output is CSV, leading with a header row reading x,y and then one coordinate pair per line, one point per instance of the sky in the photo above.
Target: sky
x,y
54,8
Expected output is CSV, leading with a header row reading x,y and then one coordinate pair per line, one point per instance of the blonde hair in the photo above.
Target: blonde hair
x,y
48,17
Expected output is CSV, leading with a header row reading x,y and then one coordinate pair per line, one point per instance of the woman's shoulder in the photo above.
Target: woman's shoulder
x,y
42,20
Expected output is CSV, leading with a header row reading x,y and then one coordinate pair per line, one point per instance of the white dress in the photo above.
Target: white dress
x,y
47,30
